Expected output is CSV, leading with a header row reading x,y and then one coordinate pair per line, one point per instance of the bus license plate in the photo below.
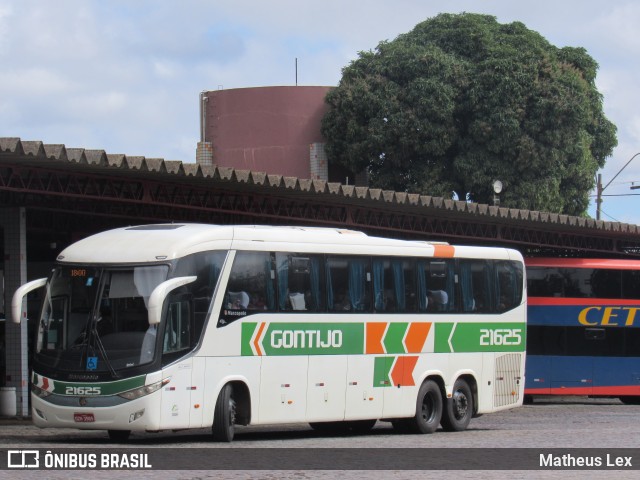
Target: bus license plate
x,y
83,417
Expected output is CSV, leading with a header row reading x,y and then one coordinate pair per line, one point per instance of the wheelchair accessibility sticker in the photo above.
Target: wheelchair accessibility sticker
x,y
92,363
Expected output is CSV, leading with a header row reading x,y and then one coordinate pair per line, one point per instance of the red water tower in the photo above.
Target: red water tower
x,y
266,129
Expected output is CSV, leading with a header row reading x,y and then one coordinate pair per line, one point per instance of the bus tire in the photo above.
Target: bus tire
x,y
428,408
224,418
458,409
119,435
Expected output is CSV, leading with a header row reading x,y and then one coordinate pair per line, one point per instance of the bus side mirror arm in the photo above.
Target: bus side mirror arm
x,y
159,294
18,297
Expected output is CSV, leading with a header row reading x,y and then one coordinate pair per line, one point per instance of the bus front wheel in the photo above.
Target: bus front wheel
x,y
458,409
428,408
224,418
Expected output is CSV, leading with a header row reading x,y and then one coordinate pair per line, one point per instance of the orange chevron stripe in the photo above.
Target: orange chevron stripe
x,y
402,373
375,331
443,251
417,336
256,342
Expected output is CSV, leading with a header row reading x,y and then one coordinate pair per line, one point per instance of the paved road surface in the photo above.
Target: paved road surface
x,y
569,423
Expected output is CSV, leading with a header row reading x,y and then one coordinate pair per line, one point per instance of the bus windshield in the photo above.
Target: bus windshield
x,y
95,319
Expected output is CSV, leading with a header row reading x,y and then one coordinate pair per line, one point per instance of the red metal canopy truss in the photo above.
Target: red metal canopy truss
x,y
81,199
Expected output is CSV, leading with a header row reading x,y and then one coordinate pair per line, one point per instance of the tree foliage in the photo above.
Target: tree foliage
x,y
462,100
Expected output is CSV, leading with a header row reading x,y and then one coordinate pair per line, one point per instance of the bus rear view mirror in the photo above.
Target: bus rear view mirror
x,y
18,296
156,299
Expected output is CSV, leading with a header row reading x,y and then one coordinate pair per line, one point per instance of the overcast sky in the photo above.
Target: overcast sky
x,y
124,75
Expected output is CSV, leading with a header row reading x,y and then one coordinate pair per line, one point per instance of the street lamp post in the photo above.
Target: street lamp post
x,y
497,188
600,188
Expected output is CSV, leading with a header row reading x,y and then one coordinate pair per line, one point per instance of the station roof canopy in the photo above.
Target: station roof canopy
x,y
76,191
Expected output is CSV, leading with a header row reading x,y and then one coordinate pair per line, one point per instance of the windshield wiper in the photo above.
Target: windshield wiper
x,y
103,351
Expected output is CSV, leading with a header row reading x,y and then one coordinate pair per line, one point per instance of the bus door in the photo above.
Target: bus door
x,y
186,388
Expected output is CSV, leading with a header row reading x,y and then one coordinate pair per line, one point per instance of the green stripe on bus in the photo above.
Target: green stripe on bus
x,y
480,337
393,338
97,388
248,330
302,338
382,371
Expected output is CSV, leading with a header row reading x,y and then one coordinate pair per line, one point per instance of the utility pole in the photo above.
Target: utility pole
x,y
600,188
598,196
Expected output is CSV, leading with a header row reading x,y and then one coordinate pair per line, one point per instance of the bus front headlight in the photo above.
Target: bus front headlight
x,y
39,392
145,390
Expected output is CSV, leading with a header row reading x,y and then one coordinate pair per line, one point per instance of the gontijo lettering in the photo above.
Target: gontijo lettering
x,y
612,316
306,338
278,338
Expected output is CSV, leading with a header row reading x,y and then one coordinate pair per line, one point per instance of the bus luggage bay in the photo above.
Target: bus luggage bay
x,y
159,327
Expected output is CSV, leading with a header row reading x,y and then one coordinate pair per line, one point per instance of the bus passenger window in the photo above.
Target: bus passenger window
x,y
509,285
436,285
471,285
177,329
300,282
606,283
251,283
630,284
348,284
207,266
392,285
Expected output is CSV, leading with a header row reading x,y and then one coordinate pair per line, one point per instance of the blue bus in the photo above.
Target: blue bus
x,y
583,334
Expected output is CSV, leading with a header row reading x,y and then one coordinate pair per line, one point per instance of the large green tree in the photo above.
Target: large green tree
x,y
463,100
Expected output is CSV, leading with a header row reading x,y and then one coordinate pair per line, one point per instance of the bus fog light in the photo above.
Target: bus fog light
x,y
40,414
135,416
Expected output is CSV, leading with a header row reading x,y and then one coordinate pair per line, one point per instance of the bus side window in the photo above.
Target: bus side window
x,y
177,333
393,285
630,283
440,285
508,285
348,284
474,275
207,266
300,282
251,283
606,283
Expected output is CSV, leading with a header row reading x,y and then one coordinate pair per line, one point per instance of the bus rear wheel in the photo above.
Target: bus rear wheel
x,y
459,408
224,418
428,409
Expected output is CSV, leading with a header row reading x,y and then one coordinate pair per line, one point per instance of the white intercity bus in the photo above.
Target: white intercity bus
x,y
176,326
